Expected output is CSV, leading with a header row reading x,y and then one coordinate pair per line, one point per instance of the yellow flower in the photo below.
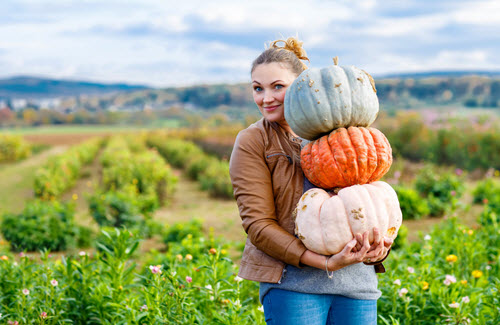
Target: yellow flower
x,y
451,258
179,257
4,258
189,257
464,282
477,274
425,285
75,196
470,232
223,251
135,181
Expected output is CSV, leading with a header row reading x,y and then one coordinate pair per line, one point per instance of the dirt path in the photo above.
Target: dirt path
x,y
17,180
190,202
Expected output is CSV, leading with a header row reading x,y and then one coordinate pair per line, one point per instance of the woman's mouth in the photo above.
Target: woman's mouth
x,y
270,108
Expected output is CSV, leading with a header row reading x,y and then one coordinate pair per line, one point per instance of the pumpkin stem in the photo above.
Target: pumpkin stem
x,y
336,60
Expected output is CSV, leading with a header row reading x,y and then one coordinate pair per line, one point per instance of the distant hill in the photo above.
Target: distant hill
x,y
33,87
440,74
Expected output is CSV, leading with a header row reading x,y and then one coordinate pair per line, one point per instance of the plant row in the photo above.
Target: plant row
x,y
61,172
451,276
135,182
13,148
464,145
210,172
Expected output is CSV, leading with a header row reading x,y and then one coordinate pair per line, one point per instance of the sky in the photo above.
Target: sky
x,y
166,43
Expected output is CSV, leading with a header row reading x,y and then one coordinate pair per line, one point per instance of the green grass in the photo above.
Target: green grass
x,y
78,129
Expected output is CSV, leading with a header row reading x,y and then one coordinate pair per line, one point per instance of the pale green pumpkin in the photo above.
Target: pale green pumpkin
x,y
321,100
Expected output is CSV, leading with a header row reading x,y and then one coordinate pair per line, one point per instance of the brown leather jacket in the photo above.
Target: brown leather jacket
x,y
268,181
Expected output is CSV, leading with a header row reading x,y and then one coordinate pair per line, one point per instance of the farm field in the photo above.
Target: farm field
x,y
183,237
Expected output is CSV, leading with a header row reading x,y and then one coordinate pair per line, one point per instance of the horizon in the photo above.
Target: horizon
x,y
156,45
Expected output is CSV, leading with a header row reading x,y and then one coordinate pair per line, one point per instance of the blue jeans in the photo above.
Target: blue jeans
x,y
296,308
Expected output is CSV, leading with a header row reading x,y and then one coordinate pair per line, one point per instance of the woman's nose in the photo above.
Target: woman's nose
x,y
268,98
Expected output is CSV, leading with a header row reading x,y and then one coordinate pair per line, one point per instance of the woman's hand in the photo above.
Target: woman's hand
x,y
378,249
351,253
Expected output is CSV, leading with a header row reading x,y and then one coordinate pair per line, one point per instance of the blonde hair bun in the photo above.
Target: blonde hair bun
x,y
291,44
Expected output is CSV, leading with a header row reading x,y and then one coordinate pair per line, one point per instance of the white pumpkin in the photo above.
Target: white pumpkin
x,y
321,100
326,223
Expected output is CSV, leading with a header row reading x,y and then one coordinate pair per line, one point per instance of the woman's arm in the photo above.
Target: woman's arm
x,y
253,190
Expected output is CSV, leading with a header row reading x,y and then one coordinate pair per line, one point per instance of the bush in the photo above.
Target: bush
x,y
13,148
413,206
486,190
442,190
41,225
116,209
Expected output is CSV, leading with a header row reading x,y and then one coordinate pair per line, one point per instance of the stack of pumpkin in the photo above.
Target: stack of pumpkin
x,y
333,107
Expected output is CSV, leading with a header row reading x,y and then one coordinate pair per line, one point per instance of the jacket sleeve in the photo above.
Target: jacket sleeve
x,y
253,190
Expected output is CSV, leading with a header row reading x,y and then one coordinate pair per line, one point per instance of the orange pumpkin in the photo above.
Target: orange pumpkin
x,y
347,157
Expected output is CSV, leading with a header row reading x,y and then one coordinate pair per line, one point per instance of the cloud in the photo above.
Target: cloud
x,y
153,42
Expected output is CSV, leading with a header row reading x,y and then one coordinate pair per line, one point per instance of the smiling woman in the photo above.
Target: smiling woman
x,y
268,182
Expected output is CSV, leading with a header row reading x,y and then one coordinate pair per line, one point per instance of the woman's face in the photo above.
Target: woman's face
x,y
269,82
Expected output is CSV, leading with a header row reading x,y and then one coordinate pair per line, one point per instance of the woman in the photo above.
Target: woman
x,y
296,284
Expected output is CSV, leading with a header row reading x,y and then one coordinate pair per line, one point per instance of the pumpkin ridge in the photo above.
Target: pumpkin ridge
x,y
316,165
360,147
336,157
306,163
352,170
371,157
384,154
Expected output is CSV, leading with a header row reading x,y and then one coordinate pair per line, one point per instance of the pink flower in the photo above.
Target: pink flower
x,y
155,269
403,292
466,299
397,282
54,282
144,307
43,315
26,292
453,193
449,279
189,279
12,322
411,270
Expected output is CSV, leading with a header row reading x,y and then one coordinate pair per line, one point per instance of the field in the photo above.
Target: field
x,y
139,226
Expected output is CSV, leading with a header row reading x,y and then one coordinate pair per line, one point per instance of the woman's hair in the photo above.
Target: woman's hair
x,y
291,54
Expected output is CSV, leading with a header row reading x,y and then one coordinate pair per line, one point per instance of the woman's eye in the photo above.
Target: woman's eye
x,y
257,89
278,86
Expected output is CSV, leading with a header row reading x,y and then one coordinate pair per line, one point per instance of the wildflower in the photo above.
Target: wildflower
x,y
226,301
174,273
464,282
12,322
427,237
477,274
189,257
4,258
454,305
485,201
453,193
43,315
144,308
155,269
458,171
470,232
466,299
82,253
261,309
238,279
54,282
488,267
223,251
211,298
425,285
208,287
22,254
189,279
237,303
411,270
403,292
451,258
26,292
449,279
74,197
397,282
179,257
212,251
